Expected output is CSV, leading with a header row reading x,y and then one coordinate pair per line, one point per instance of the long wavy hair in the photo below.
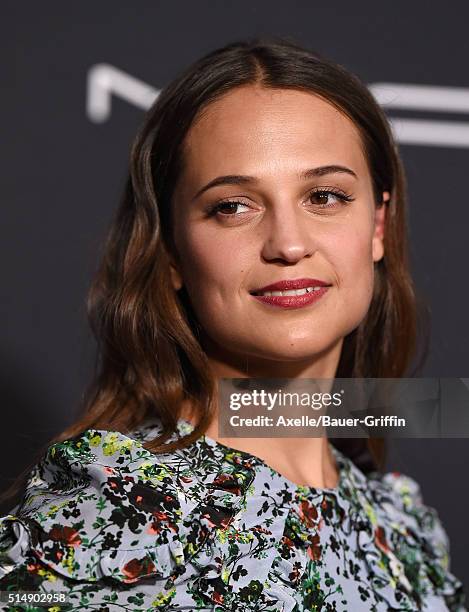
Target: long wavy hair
x,y
149,357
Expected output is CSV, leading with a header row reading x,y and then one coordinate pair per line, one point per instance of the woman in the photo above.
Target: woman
x,y
262,165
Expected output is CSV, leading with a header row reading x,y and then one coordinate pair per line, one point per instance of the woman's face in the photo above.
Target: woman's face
x,y
272,224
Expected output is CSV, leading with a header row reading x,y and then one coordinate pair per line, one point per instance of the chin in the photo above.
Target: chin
x,y
292,351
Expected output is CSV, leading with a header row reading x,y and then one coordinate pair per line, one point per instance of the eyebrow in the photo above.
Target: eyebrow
x,y
241,179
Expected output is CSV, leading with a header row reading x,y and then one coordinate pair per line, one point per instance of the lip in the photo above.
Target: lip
x,y
292,301
295,283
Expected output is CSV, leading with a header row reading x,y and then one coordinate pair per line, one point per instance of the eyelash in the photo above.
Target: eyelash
x,y
345,198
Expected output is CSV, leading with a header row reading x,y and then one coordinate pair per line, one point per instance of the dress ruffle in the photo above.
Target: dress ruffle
x,y
403,542
175,528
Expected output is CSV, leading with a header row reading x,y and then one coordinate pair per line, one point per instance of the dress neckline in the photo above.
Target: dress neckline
x,y
342,462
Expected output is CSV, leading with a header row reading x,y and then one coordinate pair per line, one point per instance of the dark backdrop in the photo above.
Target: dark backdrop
x,y
63,162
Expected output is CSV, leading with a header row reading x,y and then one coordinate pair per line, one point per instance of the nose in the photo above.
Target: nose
x,y
288,237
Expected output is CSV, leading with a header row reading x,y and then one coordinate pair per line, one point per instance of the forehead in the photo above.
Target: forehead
x,y
276,129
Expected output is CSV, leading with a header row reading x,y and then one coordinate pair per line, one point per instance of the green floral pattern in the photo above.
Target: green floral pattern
x,y
208,527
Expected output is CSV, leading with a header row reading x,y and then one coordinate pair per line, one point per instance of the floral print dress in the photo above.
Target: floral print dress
x,y
208,527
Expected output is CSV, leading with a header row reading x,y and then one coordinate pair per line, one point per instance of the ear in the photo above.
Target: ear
x,y
378,235
176,277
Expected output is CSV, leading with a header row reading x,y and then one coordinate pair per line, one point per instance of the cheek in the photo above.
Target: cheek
x,y
353,263
355,256
214,267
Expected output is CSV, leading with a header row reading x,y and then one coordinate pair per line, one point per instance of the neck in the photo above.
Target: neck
x,y
304,461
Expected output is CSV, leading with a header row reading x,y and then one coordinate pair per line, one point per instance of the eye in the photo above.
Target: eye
x,y
321,198
227,209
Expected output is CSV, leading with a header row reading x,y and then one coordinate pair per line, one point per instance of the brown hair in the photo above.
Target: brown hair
x,y
149,355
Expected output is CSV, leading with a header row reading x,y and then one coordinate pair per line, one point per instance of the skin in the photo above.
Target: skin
x,y
279,230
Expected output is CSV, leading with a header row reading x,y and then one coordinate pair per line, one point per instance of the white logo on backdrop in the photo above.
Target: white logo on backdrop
x,y
105,81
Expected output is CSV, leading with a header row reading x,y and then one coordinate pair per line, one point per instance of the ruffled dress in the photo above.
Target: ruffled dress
x,y
208,527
